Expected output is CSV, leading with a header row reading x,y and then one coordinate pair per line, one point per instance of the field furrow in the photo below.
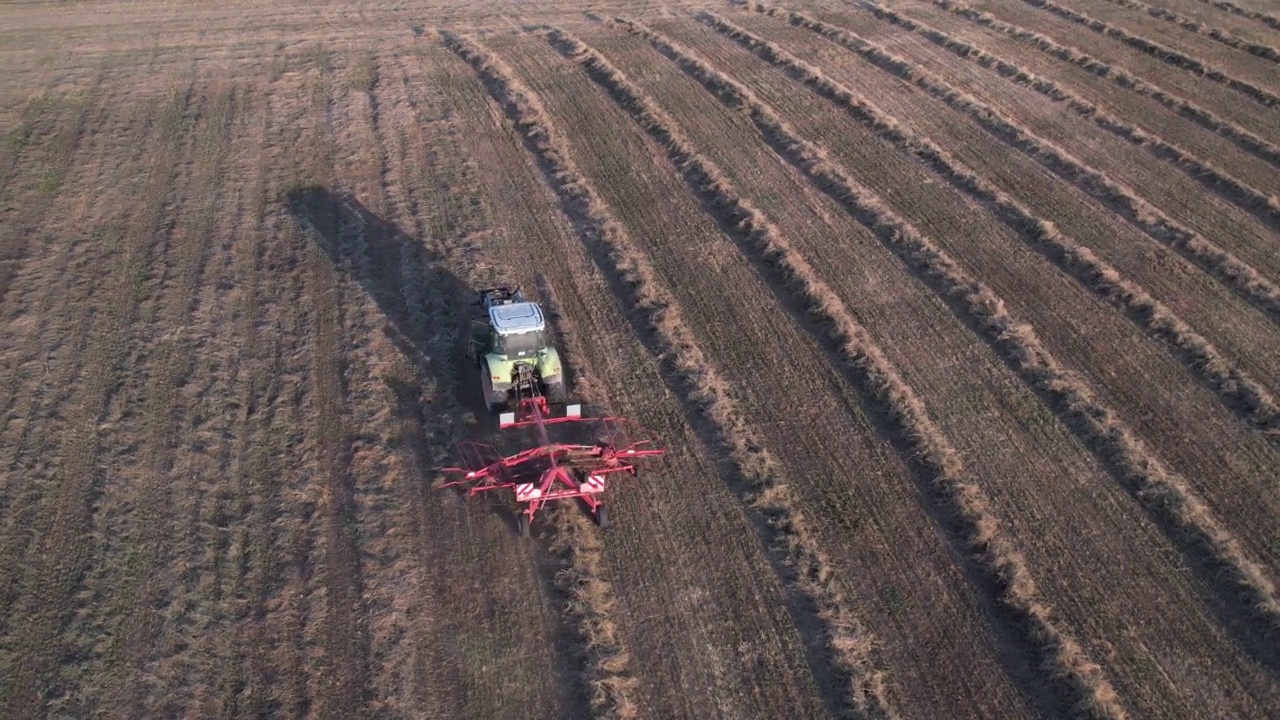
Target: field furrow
x,y
1128,453
1163,200
219,539
518,643
43,335
337,631
1067,42
270,677
1238,71
148,592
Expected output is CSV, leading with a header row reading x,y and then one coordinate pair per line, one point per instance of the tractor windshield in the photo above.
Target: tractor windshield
x,y
521,344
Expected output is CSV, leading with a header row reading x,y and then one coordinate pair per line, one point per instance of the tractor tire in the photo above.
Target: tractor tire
x,y
522,523
556,393
602,516
494,402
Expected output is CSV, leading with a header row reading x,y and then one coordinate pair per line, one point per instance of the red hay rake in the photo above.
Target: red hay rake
x,y
553,470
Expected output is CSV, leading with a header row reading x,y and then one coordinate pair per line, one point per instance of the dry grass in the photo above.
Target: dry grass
x,y
1162,52
1241,392
1262,205
1206,255
850,641
1206,118
1261,50
608,670
1063,656
216,454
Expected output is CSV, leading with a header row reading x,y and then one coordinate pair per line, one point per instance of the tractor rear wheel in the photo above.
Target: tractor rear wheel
x,y
556,393
493,402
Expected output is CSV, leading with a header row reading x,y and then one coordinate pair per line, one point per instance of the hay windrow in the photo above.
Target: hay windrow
x,y
1080,677
1240,392
1236,274
1167,495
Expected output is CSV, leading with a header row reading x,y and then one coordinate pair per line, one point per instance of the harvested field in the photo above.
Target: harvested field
x,y
959,321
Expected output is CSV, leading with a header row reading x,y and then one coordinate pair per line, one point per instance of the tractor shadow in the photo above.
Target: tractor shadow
x,y
425,305
426,309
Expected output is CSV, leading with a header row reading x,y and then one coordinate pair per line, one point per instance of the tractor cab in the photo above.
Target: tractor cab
x,y
519,330
511,345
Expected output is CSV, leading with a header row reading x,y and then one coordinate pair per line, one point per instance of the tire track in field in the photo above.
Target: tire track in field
x,y
422,305
435,190
1270,21
340,674
1165,54
1003,565
43,339
337,680
1234,273
276,561
254,453
1243,138
608,673
161,499
1171,500
54,157
61,552
1265,207
1237,389
595,307
1266,52
849,641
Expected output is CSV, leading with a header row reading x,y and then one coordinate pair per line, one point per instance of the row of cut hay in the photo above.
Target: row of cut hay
x,y
1238,275
1238,390
1167,495
608,671
1002,563
1270,21
1207,119
1263,206
1161,52
1263,51
850,643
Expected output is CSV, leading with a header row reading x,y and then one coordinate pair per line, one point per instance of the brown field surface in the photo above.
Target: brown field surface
x,y
959,321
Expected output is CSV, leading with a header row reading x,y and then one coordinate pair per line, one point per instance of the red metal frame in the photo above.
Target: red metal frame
x,y
552,471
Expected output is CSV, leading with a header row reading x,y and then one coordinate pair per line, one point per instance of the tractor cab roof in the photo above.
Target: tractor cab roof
x,y
516,318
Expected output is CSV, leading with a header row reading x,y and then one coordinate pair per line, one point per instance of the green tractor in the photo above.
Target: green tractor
x,y
512,352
